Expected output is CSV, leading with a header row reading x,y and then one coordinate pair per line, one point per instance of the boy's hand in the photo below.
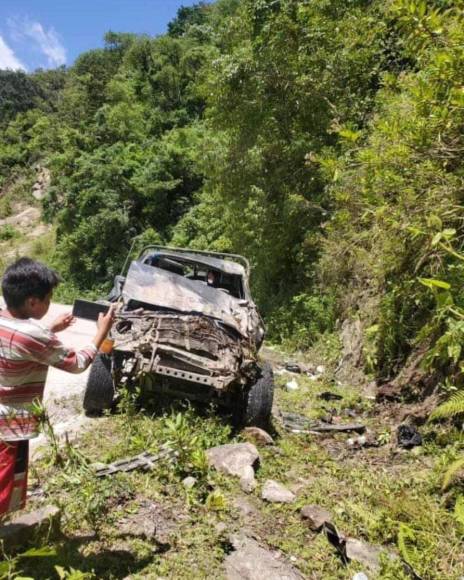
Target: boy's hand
x,y
62,322
105,321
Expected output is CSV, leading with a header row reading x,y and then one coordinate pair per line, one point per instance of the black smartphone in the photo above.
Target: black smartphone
x,y
88,310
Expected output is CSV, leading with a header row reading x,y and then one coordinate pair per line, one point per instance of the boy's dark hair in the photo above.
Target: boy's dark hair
x,y
26,278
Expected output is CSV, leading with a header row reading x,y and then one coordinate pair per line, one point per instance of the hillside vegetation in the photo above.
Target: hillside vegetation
x,y
323,140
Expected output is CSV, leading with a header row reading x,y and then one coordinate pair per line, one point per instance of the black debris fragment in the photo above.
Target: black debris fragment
x,y
408,436
293,367
329,396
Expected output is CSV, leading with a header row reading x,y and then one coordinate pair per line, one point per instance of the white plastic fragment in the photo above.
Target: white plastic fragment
x,y
292,385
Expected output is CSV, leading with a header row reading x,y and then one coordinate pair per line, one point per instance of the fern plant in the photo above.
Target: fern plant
x,y
451,408
459,510
452,472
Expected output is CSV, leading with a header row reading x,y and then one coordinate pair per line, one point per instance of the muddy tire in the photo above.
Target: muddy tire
x,y
99,391
257,400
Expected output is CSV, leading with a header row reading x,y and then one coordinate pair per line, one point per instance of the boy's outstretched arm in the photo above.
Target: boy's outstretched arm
x,y
76,361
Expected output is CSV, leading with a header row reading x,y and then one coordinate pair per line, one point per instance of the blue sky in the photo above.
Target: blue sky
x,y
49,33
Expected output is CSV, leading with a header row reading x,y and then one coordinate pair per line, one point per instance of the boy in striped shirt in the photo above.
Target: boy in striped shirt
x,y
27,349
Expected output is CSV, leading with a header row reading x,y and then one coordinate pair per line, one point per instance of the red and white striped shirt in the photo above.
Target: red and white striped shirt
x,y
27,349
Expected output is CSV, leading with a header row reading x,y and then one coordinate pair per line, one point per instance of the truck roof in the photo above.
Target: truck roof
x,y
227,266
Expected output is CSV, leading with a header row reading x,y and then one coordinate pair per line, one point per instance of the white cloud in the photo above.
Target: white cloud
x,y
47,41
8,58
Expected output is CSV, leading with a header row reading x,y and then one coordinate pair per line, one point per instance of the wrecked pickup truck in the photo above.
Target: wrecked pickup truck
x,y
187,327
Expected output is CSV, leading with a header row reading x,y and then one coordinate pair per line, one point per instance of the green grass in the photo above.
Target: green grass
x,y
379,495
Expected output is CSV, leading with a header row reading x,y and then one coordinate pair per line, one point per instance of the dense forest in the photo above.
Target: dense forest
x,y
321,139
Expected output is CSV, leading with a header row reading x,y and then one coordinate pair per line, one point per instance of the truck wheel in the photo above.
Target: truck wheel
x,y
99,391
258,397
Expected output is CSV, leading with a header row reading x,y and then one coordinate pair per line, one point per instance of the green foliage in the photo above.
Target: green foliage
x,y
323,140
8,232
302,320
459,511
451,472
454,406
18,93
9,567
190,435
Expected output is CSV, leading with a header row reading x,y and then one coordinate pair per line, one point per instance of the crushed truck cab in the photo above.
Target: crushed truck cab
x,y
187,327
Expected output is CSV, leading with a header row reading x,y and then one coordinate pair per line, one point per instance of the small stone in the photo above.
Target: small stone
x,y
221,527
275,492
25,528
233,458
360,576
292,385
320,369
363,553
259,436
248,481
249,561
315,516
189,482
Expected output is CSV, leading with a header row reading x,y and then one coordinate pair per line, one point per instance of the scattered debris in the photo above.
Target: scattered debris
x,y
275,492
315,516
329,396
408,436
292,385
369,439
362,552
293,367
238,459
144,461
351,549
250,561
258,435
360,576
357,441
26,528
189,482
299,424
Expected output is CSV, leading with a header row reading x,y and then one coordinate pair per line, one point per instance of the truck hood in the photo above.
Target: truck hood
x,y
164,289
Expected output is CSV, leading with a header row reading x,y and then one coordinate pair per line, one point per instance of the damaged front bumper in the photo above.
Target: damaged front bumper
x,y
186,347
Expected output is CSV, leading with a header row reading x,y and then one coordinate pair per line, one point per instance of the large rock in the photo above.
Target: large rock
x,y
315,516
24,529
233,458
275,492
250,561
258,436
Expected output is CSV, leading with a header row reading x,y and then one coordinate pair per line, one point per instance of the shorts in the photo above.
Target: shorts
x,y
14,460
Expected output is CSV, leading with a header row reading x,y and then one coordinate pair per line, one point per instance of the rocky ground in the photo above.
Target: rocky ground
x,y
306,499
